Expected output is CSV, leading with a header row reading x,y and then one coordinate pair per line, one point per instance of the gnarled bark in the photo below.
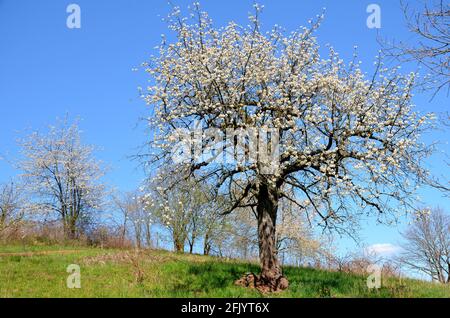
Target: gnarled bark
x,y
271,278
267,215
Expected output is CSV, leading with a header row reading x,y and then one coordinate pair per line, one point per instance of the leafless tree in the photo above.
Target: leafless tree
x,y
120,220
427,245
12,205
215,227
431,26
135,214
206,221
296,241
243,233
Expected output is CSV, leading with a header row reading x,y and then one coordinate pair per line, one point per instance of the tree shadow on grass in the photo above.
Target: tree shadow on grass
x,y
310,282
215,279
206,277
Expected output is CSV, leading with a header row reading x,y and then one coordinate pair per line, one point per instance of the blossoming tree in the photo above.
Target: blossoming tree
x,y
346,144
185,209
62,175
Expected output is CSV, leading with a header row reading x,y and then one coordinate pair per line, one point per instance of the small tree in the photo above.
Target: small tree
x,y
296,241
427,245
214,229
195,226
243,233
182,208
12,205
262,113
120,221
135,213
63,175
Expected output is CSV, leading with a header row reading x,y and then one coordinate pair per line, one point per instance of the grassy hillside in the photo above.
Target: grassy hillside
x,y
40,271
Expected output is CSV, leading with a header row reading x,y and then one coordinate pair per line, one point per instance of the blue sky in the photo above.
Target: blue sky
x,y
48,70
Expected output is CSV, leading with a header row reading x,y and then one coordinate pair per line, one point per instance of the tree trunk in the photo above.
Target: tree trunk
x,y
271,274
271,278
124,233
448,272
70,229
138,241
178,245
267,216
148,236
206,245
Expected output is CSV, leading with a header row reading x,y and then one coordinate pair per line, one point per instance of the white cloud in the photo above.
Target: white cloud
x,y
383,249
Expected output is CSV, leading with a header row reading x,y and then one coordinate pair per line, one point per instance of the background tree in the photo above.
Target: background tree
x,y
219,241
172,208
12,205
196,221
120,221
206,220
430,26
135,213
215,226
427,245
346,144
296,241
429,47
63,175
186,209
243,233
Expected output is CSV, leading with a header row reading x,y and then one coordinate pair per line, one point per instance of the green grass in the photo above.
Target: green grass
x,y
114,273
36,247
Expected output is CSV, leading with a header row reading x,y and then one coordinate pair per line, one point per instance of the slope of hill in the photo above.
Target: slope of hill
x,y
41,271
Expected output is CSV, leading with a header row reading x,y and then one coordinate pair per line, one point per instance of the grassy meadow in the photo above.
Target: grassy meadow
x,y
40,271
